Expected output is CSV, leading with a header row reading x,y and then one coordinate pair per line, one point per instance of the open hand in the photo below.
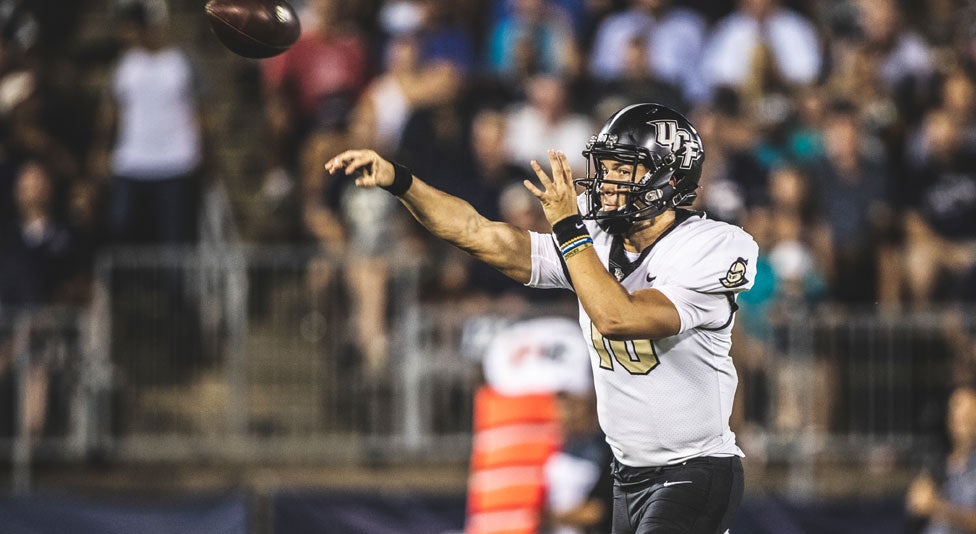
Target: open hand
x,y
558,194
373,171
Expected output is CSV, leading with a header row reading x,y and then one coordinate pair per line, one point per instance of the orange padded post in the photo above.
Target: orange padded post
x,y
513,438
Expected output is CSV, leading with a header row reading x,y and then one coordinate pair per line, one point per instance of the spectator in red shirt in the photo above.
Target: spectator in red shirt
x,y
312,89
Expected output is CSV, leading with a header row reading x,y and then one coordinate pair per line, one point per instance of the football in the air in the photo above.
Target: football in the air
x,y
254,28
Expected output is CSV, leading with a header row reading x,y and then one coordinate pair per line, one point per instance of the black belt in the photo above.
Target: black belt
x,y
700,460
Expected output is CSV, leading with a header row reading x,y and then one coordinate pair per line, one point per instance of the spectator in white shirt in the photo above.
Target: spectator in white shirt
x,y
151,136
673,37
545,120
791,40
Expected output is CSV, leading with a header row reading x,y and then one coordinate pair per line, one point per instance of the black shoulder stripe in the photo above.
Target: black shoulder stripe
x,y
733,307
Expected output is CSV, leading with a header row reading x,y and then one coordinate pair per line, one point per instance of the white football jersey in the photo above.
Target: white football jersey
x,y
662,402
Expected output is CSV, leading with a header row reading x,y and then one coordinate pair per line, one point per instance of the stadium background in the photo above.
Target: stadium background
x,y
304,359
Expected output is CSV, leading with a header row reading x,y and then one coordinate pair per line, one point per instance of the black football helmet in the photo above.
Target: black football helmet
x,y
662,140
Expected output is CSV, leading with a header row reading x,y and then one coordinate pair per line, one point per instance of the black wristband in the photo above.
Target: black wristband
x,y
569,229
402,180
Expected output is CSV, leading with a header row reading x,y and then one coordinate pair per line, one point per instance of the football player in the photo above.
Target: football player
x,y
657,286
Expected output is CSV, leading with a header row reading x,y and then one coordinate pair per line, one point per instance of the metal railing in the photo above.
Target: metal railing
x,y
264,355
51,386
847,388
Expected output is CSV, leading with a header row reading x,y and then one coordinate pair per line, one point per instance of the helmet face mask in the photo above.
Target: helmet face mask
x,y
655,137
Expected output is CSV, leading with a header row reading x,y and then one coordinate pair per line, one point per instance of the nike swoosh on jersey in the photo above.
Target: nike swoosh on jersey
x,y
669,483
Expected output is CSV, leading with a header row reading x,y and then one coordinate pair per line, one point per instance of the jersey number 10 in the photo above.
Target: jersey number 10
x,y
637,356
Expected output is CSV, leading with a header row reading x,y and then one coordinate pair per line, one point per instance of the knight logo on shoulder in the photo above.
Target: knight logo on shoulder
x,y
736,275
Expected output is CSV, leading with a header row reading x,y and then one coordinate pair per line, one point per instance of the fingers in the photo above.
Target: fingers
x,y
557,167
533,189
338,161
541,174
561,173
350,161
362,161
567,172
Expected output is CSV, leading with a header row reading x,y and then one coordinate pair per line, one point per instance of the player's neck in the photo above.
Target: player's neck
x,y
646,232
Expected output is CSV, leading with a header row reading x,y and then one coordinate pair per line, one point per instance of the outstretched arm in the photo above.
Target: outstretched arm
x,y
503,246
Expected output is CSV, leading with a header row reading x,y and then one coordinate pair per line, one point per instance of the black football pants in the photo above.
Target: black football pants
x,y
699,496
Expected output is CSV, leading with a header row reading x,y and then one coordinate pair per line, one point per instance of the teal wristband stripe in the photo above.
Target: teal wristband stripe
x,y
581,240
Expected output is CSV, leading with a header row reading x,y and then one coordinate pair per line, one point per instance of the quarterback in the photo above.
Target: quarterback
x,y
657,286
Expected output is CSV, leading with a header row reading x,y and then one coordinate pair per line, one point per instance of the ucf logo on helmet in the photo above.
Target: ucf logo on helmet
x,y
679,140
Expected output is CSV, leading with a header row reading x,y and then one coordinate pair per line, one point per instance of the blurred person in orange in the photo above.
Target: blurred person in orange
x,y
947,501
536,416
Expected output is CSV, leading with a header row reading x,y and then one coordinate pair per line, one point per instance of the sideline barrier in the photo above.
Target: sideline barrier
x,y
372,513
185,515
303,511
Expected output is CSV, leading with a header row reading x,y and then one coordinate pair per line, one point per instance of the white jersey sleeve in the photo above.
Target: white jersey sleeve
x,y
548,269
707,272
698,309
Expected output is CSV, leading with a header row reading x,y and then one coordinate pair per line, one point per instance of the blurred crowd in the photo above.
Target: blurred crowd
x,y
83,164
841,134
